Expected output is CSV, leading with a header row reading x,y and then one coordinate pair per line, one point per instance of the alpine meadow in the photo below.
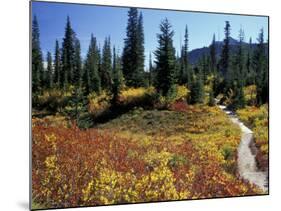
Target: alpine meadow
x,y
124,111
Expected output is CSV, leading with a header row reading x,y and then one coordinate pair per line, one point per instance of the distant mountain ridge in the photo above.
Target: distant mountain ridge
x,y
196,54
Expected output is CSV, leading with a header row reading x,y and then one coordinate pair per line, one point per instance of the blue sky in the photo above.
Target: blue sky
x,y
105,21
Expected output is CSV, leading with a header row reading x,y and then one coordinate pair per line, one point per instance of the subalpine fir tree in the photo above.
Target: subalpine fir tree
x,y
57,66
240,59
178,68
204,66
238,100
84,118
213,59
185,75
217,83
78,104
49,72
265,88
99,63
130,51
225,58
238,75
117,78
260,64
106,66
78,101
133,52
37,60
165,59
214,67
91,79
197,89
150,76
77,70
138,76
250,79
211,97
68,54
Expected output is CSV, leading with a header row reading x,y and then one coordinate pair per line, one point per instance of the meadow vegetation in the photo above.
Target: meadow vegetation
x,y
185,152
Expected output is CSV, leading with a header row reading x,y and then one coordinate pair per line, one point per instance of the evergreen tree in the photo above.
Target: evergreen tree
x,y
238,100
211,97
138,76
204,67
184,76
217,85
130,57
265,88
225,57
181,69
165,59
68,54
91,79
238,75
178,68
197,89
77,69
260,64
84,118
240,59
100,63
150,78
106,66
214,64
49,72
213,59
37,60
133,52
250,79
117,78
78,104
57,66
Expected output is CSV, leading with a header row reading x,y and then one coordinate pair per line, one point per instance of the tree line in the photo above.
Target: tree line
x,y
106,69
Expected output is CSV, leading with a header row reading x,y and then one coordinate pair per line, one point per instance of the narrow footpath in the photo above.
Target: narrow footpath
x,y
247,166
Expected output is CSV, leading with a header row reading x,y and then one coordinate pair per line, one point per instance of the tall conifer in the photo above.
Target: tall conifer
x,y
57,65
133,52
49,72
106,65
260,64
165,59
68,53
139,73
91,78
37,60
117,77
225,54
77,70
213,59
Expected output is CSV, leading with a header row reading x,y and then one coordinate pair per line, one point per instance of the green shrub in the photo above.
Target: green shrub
x,y
177,160
85,121
227,152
